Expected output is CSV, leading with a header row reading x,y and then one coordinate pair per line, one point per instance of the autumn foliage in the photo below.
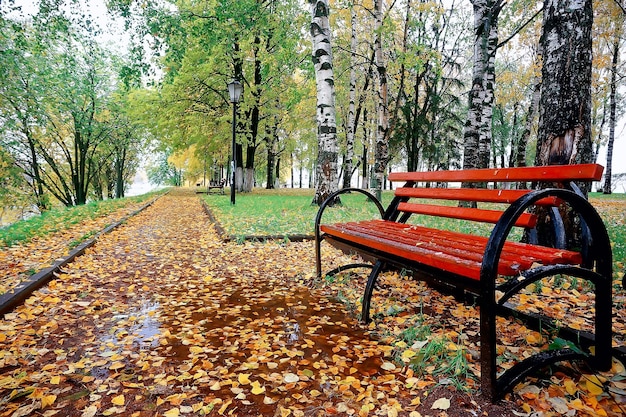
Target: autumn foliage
x,y
162,318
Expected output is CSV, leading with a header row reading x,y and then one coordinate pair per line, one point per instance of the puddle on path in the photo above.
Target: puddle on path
x,y
265,333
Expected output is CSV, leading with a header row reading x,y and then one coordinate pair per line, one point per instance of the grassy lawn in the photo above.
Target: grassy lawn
x,y
61,218
284,212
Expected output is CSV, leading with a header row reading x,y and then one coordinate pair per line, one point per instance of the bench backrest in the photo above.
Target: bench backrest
x,y
415,187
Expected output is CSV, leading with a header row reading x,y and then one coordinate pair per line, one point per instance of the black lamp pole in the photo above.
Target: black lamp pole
x,y
234,90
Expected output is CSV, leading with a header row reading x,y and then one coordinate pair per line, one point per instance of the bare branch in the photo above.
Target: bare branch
x,y
518,30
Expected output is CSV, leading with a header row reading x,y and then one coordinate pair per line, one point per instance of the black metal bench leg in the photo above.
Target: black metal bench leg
x,y
604,324
369,289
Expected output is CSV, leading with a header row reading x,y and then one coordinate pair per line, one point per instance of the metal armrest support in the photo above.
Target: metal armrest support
x,y
318,218
600,257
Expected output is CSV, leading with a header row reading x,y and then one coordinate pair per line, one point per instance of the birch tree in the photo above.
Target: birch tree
x,y
351,123
326,169
477,132
564,135
381,149
610,31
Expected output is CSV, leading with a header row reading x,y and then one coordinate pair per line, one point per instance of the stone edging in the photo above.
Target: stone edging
x,y
15,296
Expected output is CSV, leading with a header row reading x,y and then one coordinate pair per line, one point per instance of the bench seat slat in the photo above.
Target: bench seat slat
x,y
515,257
475,194
451,251
461,246
465,213
580,172
475,245
436,259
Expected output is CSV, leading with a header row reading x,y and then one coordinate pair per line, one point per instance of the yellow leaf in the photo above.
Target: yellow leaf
x,y
112,410
533,338
224,407
441,404
116,365
257,388
55,380
407,355
284,412
594,386
196,350
47,400
244,379
174,412
119,400
570,387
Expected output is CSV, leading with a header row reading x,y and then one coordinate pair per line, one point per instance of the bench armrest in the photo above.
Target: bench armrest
x,y
318,219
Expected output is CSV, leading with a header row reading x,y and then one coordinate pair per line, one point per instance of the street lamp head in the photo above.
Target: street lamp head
x,y
235,88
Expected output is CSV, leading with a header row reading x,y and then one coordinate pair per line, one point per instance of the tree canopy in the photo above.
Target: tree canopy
x,y
74,115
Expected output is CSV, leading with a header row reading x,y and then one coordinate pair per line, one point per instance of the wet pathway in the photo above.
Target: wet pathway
x,y
162,318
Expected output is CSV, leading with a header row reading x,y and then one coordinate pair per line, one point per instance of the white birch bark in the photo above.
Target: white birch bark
x,y
326,171
381,151
564,135
477,132
607,188
351,126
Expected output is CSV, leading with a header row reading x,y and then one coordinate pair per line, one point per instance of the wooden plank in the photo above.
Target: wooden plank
x,y
459,253
465,213
462,246
410,252
550,173
515,256
471,194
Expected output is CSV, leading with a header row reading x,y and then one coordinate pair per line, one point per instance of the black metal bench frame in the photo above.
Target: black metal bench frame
x,y
595,268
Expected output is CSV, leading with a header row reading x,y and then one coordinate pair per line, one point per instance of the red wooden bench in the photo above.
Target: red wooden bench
x,y
490,269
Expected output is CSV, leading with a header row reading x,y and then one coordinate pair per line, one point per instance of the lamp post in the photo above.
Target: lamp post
x,y
234,90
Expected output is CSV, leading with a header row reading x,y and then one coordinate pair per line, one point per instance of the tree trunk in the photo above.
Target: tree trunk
x,y
326,171
477,132
520,155
381,149
564,135
119,173
351,127
606,189
270,165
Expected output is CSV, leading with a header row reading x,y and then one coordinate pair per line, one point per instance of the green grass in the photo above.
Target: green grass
x,y
62,218
284,212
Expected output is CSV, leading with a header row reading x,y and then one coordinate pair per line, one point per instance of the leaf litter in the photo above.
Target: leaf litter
x,y
162,318
21,260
